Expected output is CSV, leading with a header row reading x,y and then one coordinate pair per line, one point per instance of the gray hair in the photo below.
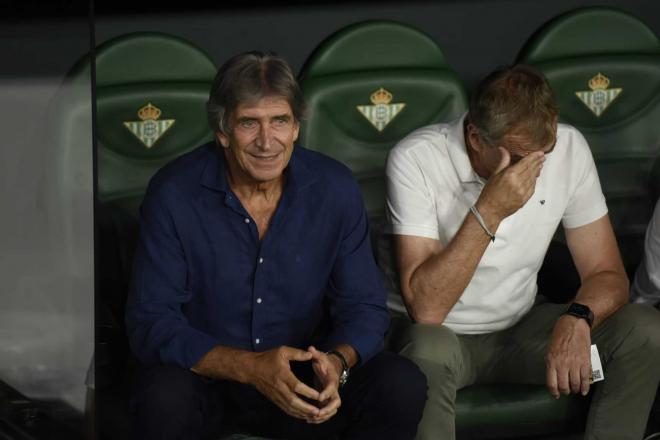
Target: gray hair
x,y
516,96
246,78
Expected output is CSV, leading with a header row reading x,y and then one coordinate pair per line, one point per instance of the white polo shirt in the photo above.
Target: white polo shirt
x,y
431,186
646,287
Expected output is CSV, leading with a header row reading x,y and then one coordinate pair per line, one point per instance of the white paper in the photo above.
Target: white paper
x,y
596,367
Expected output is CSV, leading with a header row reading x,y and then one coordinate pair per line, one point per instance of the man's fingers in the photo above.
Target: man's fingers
x,y
585,376
330,406
284,402
530,164
551,381
505,159
295,354
296,404
575,380
329,389
315,353
304,390
328,411
563,381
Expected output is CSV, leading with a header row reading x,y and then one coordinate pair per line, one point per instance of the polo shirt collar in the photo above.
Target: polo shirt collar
x,y
214,175
458,153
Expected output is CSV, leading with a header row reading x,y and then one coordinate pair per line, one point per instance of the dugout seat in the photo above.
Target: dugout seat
x,y
366,87
151,90
604,67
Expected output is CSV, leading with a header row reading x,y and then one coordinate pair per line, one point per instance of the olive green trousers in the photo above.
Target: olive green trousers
x,y
628,342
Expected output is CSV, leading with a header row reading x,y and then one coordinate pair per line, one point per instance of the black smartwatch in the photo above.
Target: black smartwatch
x,y
581,311
343,377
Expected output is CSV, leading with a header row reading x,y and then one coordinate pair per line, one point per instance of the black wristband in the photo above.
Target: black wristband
x,y
343,377
581,311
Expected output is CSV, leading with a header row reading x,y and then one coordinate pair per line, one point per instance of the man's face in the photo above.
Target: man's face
x,y
260,138
517,143
520,146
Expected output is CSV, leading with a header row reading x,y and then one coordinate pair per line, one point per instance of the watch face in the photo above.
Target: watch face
x,y
581,311
343,378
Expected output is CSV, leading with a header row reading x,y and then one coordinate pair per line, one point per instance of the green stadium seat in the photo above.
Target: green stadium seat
x,y
150,96
366,87
151,91
401,69
604,67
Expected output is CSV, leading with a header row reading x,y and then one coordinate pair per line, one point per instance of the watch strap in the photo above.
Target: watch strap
x,y
343,377
581,311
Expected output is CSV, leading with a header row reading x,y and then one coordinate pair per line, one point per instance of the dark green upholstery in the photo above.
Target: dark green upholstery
x,y
133,71
516,411
508,411
343,73
625,137
171,78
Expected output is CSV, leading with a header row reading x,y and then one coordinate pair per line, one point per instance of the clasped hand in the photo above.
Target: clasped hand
x,y
273,377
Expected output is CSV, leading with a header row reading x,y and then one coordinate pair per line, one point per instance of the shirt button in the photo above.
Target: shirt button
x,y
247,220
256,341
261,260
258,300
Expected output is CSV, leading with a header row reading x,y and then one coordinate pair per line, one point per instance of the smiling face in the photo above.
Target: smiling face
x,y
259,142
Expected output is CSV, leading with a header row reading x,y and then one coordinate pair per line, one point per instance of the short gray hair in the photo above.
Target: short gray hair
x,y
246,78
516,96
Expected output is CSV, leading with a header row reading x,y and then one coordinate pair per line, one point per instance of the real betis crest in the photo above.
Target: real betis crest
x,y
149,129
600,97
381,112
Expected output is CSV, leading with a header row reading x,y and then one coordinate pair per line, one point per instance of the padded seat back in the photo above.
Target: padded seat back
x,y
151,90
604,67
366,87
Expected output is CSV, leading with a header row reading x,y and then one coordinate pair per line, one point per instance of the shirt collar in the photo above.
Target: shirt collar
x,y
457,149
214,175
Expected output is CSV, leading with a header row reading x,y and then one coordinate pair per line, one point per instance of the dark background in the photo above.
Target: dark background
x,y
476,35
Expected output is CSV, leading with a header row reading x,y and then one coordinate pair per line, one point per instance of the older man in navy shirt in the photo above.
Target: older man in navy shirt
x,y
254,289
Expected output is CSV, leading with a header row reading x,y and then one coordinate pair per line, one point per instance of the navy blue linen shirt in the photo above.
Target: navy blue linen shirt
x,y
202,278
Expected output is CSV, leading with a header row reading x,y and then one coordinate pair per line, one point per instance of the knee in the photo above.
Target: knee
x,y
402,387
638,328
432,347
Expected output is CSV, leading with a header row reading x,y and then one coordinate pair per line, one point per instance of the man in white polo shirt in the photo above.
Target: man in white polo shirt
x,y
472,206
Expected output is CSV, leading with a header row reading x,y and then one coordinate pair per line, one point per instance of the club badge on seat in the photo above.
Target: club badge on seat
x,y
149,129
600,97
381,112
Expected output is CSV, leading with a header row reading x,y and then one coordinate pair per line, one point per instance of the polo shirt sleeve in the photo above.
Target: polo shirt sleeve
x,y
356,291
587,202
158,331
646,286
652,250
410,208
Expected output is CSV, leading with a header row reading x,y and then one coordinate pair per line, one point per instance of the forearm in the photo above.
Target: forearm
x,y
437,284
604,293
226,363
